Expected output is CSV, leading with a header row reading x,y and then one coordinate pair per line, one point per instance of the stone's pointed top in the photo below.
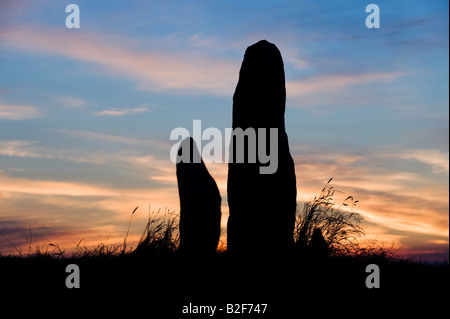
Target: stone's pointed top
x,y
263,43
188,152
187,142
260,95
265,48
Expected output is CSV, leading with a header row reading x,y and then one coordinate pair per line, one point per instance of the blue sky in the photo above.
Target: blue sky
x,y
86,114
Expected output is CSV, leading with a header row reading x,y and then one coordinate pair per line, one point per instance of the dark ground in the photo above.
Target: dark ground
x,y
167,283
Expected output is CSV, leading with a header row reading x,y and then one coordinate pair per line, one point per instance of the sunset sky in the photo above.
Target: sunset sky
x,y
86,114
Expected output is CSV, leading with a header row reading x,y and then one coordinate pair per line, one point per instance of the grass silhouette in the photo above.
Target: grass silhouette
x,y
340,228
160,236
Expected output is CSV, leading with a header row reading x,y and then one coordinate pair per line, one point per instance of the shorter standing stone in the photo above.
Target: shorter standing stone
x,y
200,201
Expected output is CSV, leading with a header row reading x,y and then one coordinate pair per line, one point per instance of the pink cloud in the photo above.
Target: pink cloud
x,y
70,101
120,112
18,112
337,82
438,160
152,70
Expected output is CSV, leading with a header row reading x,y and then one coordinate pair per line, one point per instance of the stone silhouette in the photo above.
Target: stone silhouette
x,y
262,206
200,200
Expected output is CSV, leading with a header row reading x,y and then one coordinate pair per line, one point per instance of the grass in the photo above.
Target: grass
x,y
340,227
128,230
160,235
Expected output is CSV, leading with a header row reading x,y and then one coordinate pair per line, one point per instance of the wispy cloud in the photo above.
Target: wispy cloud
x,y
90,135
299,63
120,112
48,187
199,40
34,149
19,148
336,82
70,101
438,160
18,112
99,136
130,158
151,70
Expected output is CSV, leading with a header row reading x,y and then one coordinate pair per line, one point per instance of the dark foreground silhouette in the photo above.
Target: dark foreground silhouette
x,y
200,201
262,206
164,283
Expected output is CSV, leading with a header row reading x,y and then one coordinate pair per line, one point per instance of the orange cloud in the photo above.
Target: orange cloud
x,y
21,149
80,209
404,207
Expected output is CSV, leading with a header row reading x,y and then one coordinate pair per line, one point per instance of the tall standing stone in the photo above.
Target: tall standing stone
x,y
262,206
